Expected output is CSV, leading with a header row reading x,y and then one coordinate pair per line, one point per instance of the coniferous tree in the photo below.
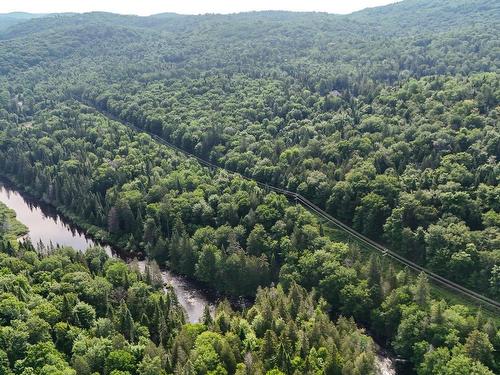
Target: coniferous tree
x,y
421,291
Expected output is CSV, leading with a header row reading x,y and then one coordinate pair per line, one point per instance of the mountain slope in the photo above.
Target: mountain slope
x,y
8,20
387,119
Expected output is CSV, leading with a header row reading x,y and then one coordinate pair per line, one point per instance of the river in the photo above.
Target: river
x,y
45,224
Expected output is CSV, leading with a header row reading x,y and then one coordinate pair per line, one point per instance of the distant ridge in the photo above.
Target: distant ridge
x,y
10,19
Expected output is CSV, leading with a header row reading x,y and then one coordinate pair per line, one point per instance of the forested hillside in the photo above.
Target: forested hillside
x,y
386,118
8,20
65,313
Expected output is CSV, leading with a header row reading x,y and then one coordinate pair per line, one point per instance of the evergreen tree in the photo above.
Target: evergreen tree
x,y
126,322
421,293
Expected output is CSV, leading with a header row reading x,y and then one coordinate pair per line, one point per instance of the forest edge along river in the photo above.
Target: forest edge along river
x,y
48,226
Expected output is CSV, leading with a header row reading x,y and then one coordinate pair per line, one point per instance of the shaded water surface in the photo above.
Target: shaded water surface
x,y
46,225
43,221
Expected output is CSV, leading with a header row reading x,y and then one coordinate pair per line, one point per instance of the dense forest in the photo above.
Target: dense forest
x,y
63,312
415,188
216,227
66,313
394,132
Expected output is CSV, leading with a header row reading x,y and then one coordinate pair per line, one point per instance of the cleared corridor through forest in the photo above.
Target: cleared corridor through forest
x,y
483,301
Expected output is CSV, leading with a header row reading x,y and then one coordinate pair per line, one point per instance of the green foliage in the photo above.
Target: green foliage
x,y
10,228
83,315
281,333
395,133
55,326
120,361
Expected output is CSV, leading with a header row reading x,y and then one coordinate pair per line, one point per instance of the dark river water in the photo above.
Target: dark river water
x,y
43,221
47,226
